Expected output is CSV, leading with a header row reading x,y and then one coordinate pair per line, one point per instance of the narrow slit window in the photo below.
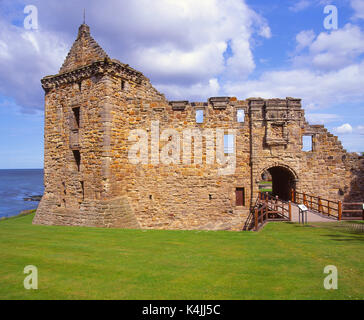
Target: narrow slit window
x,y
307,143
228,143
77,156
240,115
83,190
122,85
199,116
76,113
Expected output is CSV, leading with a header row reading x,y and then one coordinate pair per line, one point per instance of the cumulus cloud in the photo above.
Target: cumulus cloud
x,y
189,49
194,91
181,45
318,90
304,39
327,70
351,137
345,128
330,51
23,62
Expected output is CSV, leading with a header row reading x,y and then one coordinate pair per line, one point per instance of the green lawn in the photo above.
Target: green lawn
x,y
265,186
283,261
266,182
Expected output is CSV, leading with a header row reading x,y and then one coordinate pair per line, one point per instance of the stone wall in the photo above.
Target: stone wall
x,y
186,196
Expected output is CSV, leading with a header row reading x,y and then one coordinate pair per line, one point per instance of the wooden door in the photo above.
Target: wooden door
x,y
240,197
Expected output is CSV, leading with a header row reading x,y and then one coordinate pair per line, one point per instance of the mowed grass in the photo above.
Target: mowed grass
x,y
265,186
283,261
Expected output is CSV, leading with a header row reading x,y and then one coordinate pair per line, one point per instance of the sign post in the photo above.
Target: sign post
x,y
302,212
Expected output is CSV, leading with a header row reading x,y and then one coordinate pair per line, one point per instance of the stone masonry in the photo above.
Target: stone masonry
x,y
93,104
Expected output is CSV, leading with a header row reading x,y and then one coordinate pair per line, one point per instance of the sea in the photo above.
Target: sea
x,y
17,184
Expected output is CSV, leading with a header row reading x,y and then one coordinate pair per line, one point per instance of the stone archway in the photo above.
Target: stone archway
x,y
283,180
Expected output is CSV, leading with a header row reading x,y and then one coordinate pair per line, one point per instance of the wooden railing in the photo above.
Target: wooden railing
x,y
260,216
347,214
324,206
270,208
277,206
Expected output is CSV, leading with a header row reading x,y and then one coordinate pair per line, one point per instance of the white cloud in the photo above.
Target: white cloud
x,y
327,70
345,128
209,88
265,32
322,118
300,5
330,51
26,57
172,62
318,90
358,6
170,47
181,62
177,44
304,39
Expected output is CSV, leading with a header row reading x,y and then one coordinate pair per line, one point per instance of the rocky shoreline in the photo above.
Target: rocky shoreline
x,y
33,198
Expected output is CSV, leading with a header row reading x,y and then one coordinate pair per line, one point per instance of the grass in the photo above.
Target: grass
x,y
266,182
265,186
283,261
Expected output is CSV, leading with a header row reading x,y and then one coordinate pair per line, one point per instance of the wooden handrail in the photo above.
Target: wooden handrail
x,y
290,210
334,208
256,219
353,203
340,207
267,205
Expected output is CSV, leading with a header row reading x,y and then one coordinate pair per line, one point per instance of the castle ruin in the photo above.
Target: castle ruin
x,y
94,104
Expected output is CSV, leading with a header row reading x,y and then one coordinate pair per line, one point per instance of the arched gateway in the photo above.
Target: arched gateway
x,y
283,181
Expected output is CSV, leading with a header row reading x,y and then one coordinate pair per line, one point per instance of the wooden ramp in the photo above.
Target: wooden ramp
x,y
311,216
271,208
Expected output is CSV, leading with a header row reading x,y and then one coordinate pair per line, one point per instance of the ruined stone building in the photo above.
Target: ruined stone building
x,y
93,104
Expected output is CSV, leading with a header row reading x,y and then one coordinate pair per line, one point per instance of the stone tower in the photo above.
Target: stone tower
x,y
78,123
94,108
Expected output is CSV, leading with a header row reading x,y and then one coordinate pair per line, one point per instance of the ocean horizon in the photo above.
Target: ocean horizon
x,y
17,184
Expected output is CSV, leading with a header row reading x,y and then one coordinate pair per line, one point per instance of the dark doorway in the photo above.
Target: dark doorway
x,y
240,197
283,181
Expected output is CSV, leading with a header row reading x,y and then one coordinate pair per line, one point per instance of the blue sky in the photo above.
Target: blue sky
x,y
190,50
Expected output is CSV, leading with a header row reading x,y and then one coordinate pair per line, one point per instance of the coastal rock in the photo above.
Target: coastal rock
x,y
33,198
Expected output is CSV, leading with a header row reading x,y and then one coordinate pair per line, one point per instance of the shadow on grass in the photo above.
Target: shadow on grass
x,y
345,237
343,232
300,225
348,232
